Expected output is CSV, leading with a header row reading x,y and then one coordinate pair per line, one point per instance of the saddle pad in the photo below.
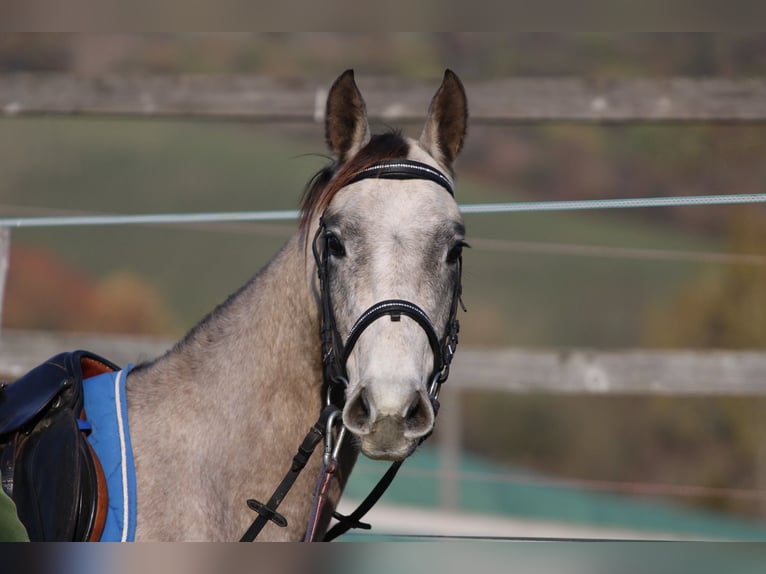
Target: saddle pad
x,y
107,411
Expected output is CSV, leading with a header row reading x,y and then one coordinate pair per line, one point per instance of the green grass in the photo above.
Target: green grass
x,y
152,166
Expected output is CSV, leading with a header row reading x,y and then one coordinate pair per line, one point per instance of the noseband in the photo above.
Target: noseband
x,y
335,352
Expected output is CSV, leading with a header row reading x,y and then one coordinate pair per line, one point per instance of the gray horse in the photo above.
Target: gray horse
x,y
217,419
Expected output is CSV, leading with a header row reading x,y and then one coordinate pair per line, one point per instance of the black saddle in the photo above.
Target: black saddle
x,y
48,467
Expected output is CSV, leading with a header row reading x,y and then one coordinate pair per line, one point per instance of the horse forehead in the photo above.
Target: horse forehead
x,y
378,204
401,203
418,205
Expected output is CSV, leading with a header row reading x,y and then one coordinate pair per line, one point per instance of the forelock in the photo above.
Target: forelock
x,y
330,180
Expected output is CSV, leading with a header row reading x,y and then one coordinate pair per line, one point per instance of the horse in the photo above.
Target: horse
x,y
376,255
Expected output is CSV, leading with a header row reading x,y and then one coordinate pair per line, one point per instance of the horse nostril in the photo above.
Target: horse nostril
x,y
356,415
414,409
419,416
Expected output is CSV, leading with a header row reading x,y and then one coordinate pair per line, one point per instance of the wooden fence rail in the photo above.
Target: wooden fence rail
x,y
254,98
512,370
507,370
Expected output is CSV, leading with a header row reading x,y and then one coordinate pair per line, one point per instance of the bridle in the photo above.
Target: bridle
x,y
335,351
335,355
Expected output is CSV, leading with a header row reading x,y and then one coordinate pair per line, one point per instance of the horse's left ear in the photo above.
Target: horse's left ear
x,y
445,127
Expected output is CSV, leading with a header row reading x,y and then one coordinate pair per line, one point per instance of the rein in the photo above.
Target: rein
x,y
335,354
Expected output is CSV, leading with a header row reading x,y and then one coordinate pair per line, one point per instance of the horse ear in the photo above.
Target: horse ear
x,y
445,127
346,127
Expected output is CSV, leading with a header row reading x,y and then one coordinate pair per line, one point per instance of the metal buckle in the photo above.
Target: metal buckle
x,y
331,450
436,383
336,380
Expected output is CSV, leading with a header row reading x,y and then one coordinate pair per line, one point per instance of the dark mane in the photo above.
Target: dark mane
x,y
328,181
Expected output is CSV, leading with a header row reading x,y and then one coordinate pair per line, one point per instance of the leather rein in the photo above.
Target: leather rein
x,y
335,354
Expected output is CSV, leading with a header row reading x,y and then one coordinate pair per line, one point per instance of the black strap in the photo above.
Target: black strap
x,y
345,523
404,169
334,372
268,512
395,308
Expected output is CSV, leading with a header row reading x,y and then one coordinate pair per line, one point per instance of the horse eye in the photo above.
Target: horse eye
x,y
334,246
457,250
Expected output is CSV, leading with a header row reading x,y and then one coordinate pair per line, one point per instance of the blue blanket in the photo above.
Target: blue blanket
x,y
107,410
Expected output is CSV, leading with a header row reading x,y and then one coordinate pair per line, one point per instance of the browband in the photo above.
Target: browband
x,y
404,169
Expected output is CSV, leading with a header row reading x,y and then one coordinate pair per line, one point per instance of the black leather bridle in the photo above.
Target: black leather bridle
x,y
335,354
335,351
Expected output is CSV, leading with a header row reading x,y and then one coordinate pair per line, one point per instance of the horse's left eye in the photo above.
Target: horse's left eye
x,y
335,247
457,250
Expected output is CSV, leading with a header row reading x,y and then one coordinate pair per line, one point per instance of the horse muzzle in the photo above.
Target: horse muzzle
x,y
388,433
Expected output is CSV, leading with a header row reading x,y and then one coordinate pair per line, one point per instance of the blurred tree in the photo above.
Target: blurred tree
x,y
680,441
45,293
34,52
725,307
126,303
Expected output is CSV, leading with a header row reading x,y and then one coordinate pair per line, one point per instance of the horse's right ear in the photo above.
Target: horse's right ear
x,y
445,127
346,127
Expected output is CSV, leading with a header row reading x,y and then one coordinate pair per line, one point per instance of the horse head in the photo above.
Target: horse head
x,y
388,236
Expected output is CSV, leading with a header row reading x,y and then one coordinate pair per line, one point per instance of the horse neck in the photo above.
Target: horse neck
x,y
264,337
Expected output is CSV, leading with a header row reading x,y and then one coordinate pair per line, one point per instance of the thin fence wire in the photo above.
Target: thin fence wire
x,y
612,252
628,203
147,219
287,215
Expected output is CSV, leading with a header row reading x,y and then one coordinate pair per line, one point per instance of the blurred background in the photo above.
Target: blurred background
x,y
670,278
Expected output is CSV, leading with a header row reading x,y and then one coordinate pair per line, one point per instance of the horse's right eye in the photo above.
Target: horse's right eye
x,y
457,250
335,247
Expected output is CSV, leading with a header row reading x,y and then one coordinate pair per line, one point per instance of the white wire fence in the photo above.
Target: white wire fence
x,y
476,208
